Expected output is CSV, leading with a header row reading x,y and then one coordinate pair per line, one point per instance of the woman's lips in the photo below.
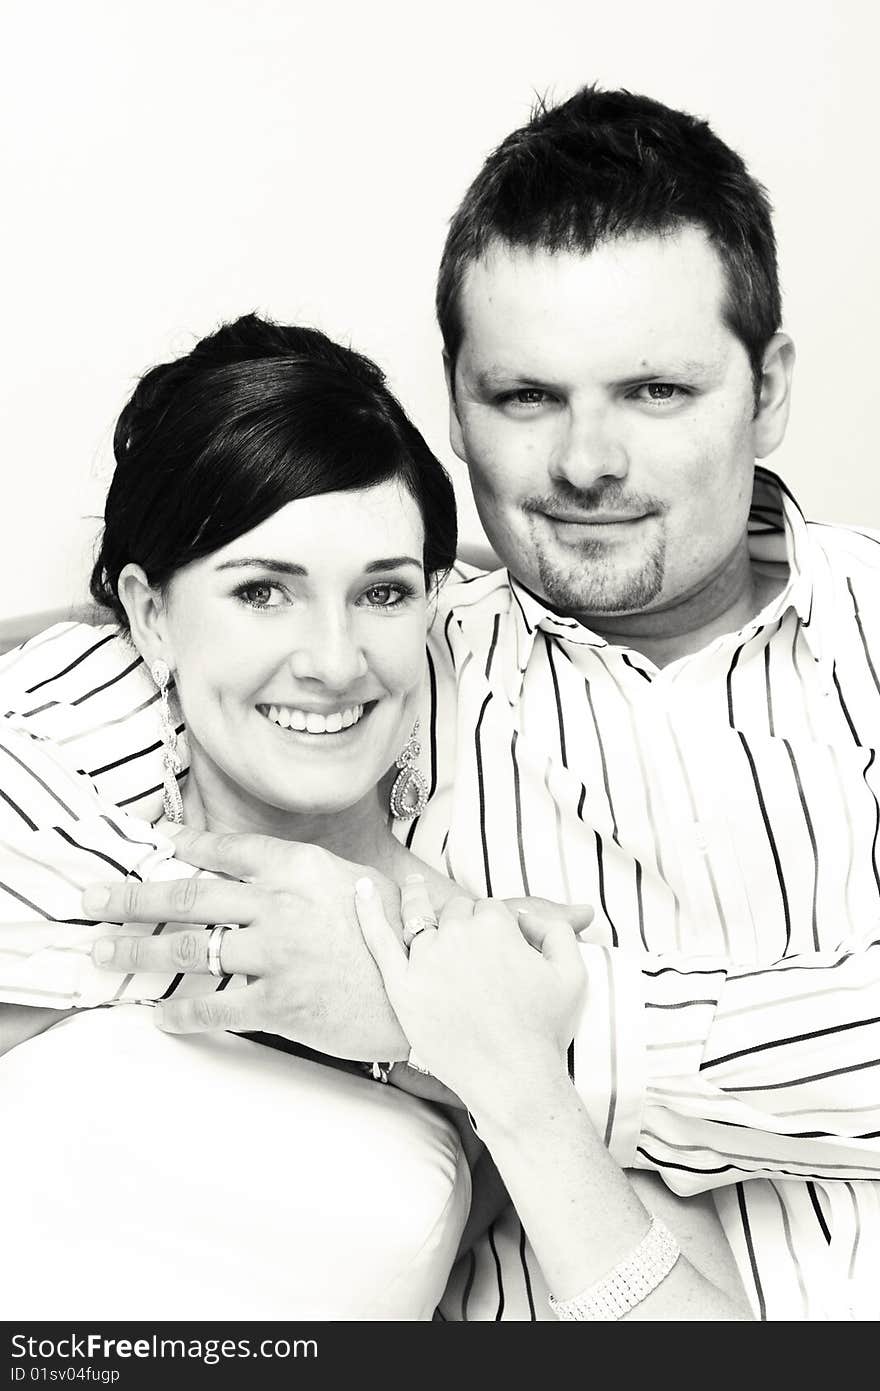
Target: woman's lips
x,y
292,719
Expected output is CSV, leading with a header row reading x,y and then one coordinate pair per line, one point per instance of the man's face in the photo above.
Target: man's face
x,y
607,416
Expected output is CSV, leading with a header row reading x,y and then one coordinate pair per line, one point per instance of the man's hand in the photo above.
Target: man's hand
x,y
312,977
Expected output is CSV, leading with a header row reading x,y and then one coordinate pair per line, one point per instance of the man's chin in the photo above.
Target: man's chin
x,y
627,596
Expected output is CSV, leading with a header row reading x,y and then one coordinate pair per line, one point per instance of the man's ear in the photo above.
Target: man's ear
x,y
774,403
147,619
456,439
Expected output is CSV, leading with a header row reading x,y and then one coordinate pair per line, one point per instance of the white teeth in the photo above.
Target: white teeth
x,y
312,722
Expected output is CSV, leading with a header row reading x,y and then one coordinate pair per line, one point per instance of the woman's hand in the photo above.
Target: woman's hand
x,y
486,1012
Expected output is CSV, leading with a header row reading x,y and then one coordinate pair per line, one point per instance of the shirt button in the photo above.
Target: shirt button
x,y
700,840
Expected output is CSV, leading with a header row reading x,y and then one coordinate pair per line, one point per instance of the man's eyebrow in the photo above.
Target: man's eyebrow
x,y
493,378
674,367
490,378
288,567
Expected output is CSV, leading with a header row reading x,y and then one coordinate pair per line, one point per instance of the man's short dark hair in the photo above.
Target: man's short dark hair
x,y
610,164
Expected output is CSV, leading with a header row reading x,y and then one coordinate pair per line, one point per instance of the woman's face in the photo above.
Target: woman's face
x,y
298,652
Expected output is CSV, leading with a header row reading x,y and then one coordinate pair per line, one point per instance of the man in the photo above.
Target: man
x,y
664,708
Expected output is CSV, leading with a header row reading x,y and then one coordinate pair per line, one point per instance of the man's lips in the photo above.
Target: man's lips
x,y
596,518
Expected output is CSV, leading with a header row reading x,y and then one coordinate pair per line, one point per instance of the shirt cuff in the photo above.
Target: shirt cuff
x,y
610,1058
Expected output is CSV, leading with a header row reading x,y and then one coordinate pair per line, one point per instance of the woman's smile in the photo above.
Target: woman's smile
x,y
292,719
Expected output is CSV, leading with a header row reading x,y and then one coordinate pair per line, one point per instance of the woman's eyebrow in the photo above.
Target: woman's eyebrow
x,y
262,562
288,567
391,563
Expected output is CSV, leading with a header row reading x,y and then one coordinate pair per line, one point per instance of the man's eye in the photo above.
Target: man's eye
x,y
260,594
658,393
385,596
524,396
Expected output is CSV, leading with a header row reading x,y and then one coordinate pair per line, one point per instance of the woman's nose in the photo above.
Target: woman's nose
x,y
328,652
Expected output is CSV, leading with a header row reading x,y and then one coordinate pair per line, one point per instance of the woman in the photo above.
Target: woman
x,y
272,533
274,530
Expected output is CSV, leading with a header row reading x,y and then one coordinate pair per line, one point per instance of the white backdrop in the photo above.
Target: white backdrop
x,y
165,166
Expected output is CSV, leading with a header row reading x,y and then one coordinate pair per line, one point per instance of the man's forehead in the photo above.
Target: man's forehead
x,y
629,302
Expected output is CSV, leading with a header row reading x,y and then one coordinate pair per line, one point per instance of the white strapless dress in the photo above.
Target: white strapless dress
x,y
152,1176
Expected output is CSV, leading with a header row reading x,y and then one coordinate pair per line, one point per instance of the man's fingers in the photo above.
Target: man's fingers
x,y
385,946
176,900
173,952
225,1009
242,855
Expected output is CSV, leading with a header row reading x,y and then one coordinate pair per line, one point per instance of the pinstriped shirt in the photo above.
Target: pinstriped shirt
x,y
721,814
80,756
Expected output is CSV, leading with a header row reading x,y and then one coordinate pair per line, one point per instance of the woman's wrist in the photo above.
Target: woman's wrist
x,y
516,1102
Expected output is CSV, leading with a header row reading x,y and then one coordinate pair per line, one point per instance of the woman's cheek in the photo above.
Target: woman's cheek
x,y
398,657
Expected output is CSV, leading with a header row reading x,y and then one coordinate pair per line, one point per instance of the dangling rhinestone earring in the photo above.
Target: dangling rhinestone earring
x,y
409,795
171,764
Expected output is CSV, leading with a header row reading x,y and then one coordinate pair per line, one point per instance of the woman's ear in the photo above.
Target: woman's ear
x,y
771,416
146,612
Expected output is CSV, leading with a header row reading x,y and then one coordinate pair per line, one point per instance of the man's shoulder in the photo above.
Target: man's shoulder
x,y
72,676
66,657
467,611
848,549
469,587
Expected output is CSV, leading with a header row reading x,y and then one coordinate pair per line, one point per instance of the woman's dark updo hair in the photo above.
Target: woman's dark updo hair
x,y
256,416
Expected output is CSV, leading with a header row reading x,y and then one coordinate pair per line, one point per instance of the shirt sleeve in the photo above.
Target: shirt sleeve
x,y
712,1073
56,837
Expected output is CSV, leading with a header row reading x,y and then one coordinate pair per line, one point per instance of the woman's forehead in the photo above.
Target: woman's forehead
x,y
349,528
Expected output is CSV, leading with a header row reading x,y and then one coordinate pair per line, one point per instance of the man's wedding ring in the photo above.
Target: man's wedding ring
x,y
413,926
215,944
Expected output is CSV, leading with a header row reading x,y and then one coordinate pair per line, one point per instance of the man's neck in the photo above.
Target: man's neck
x,y
678,630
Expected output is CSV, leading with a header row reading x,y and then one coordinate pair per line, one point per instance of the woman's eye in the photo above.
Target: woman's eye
x,y
260,594
385,596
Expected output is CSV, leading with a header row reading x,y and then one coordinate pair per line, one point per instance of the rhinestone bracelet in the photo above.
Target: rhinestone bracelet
x,y
628,1283
413,1062
380,1072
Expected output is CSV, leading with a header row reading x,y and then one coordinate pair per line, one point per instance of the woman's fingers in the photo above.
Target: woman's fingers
x,y
456,908
537,915
385,946
416,910
560,947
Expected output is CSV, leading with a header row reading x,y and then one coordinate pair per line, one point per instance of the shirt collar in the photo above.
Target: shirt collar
x,y
778,537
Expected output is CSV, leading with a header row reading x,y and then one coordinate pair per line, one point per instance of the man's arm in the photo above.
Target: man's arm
x,y
311,977
693,1067
711,1073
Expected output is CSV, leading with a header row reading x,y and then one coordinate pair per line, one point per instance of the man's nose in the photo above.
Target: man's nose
x,y
588,451
327,650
